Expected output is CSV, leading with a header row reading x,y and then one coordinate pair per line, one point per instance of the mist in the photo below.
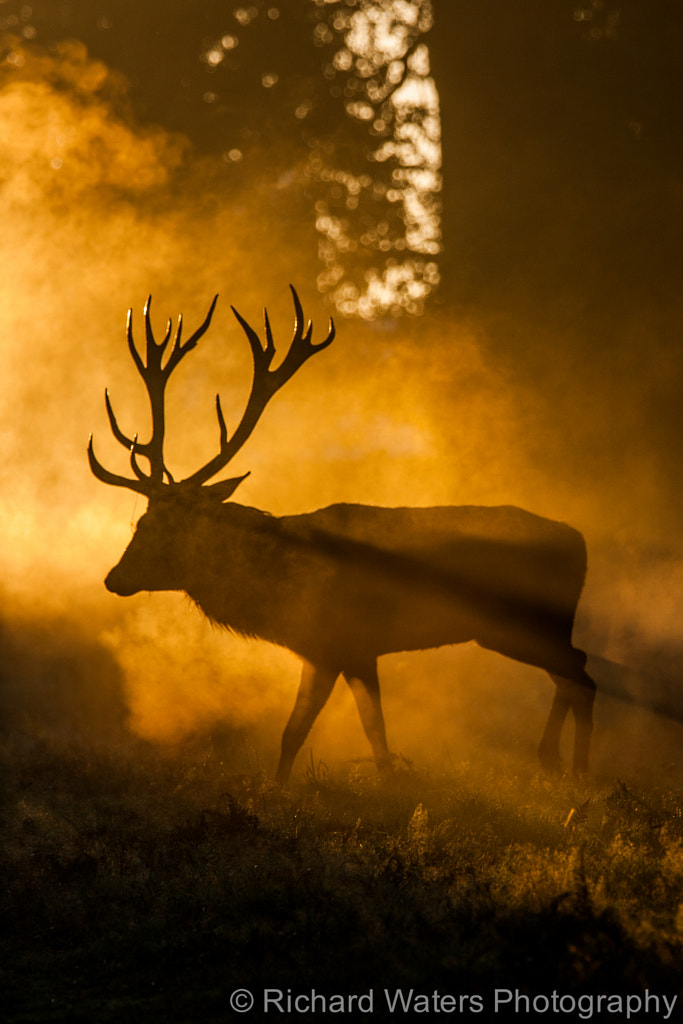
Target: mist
x,y
100,210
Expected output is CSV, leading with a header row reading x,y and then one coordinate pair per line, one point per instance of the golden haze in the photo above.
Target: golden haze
x,y
100,210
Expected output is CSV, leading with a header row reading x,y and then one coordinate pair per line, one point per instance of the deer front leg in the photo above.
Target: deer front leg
x,y
314,689
364,686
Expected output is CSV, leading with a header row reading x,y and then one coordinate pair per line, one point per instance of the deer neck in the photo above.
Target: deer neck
x,y
234,566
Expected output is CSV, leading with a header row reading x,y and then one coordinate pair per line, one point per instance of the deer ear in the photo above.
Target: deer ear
x,y
224,489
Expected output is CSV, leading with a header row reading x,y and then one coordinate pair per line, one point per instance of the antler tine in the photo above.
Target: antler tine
x,y
115,429
221,423
149,333
265,383
301,347
134,462
156,349
270,344
298,314
262,357
148,325
141,486
179,350
139,365
164,342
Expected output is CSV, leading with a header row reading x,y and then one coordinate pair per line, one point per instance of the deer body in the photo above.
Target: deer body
x,y
346,584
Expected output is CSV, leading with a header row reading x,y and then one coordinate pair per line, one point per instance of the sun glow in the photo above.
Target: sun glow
x,y
394,94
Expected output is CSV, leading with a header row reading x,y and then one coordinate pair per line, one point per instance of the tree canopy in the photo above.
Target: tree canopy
x,y
558,125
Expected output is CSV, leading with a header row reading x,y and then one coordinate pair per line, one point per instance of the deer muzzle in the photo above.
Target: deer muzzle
x,y
117,582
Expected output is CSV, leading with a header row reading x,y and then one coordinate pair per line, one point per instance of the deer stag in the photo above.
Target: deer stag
x,y
345,584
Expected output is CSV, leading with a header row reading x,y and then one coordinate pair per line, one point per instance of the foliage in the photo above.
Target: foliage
x,y
332,103
149,886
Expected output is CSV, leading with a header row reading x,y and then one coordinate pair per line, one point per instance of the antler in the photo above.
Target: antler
x,y
155,375
265,384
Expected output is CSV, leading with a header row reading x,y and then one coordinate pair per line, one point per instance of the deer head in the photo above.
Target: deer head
x,y
168,497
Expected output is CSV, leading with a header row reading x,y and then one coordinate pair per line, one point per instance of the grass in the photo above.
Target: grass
x,y
141,886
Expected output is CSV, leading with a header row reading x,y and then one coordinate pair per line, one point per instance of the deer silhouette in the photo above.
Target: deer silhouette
x,y
345,584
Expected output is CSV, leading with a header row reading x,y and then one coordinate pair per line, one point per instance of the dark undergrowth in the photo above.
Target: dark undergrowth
x,y
142,887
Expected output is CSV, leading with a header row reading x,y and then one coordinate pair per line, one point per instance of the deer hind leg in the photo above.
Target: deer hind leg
x,y
315,687
582,697
579,695
364,685
549,748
